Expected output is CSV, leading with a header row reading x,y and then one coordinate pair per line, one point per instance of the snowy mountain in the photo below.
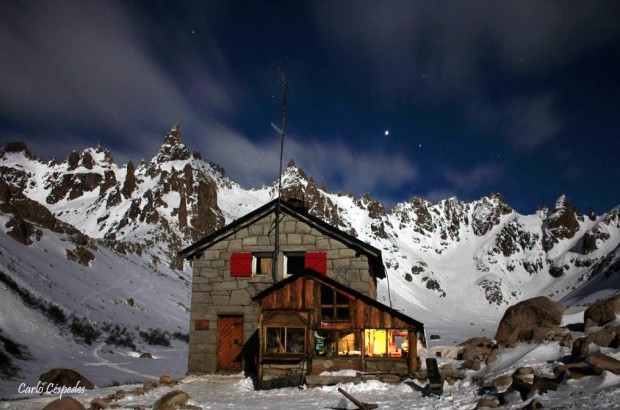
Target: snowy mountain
x,y
98,242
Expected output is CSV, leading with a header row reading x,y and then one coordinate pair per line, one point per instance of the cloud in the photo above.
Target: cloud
x,y
448,39
480,179
525,123
529,123
457,51
76,65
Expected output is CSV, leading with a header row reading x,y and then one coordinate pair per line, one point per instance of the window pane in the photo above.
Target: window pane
x,y
294,264
275,340
341,299
376,342
325,343
399,343
327,313
349,344
295,340
343,313
263,265
327,295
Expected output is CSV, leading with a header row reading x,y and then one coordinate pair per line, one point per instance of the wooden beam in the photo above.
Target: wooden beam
x,y
359,404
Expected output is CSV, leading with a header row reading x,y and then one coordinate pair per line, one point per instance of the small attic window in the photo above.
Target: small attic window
x,y
334,305
295,262
262,263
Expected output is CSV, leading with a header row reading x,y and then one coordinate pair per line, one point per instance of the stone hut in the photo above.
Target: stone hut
x,y
236,263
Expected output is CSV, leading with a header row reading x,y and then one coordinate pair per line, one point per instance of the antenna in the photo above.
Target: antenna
x,y
284,85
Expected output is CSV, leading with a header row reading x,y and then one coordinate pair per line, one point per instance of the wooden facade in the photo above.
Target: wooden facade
x,y
300,303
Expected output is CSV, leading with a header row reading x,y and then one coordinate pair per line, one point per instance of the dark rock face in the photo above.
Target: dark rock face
x,y
173,148
487,213
16,147
530,321
514,238
602,311
130,181
563,223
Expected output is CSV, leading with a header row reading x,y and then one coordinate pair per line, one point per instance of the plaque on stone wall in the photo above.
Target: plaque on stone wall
x,y
201,324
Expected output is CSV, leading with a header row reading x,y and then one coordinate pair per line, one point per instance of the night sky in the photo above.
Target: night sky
x,y
516,97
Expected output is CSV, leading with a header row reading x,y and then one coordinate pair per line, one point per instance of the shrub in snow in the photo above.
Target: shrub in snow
x,y
156,337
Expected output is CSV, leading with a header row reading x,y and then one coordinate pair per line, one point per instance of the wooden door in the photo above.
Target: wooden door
x,y
229,343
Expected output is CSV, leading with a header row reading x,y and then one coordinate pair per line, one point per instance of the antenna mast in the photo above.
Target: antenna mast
x,y
280,131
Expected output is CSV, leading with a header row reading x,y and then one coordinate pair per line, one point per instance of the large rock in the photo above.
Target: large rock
x,y
65,403
530,321
604,362
171,399
602,311
67,378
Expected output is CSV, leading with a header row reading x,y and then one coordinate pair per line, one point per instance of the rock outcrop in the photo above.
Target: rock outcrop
x,y
532,320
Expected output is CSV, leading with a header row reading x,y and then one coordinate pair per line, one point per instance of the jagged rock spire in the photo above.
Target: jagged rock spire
x,y
173,148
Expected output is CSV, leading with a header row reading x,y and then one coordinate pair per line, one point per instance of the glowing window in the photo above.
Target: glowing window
x,y
337,343
386,342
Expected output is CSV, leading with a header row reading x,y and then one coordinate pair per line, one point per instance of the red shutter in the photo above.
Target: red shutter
x,y
316,261
241,264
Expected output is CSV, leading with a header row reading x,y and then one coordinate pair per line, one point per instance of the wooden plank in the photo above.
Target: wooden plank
x,y
359,404
308,294
375,318
298,294
413,352
359,314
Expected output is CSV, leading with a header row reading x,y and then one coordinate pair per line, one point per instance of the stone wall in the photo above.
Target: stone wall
x,y
215,292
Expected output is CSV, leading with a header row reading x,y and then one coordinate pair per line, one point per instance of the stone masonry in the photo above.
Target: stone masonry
x,y
215,292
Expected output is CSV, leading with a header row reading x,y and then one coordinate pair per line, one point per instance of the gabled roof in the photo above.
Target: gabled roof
x,y
352,242
338,286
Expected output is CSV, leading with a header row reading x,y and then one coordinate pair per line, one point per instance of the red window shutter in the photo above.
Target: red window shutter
x,y
241,264
316,261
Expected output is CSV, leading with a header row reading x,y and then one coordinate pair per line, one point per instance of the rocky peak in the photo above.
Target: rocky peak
x,y
487,213
562,223
17,147
173,148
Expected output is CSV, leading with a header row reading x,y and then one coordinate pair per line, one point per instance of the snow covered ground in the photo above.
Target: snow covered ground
x,y
237,392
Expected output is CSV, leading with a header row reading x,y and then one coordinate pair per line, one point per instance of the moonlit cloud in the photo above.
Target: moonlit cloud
x,y
445,45
76,65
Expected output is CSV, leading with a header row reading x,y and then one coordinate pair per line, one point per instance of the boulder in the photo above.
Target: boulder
x,y
171,399
530,320
487,403
67,378
471,364
604,337
602,311
98,404
165,379
476,349
580,349
502,381
65,403
604,362
146,355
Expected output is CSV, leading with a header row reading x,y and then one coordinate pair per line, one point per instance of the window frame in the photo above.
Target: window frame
x,y
256,257
284,343
335,306
287,255
338,335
